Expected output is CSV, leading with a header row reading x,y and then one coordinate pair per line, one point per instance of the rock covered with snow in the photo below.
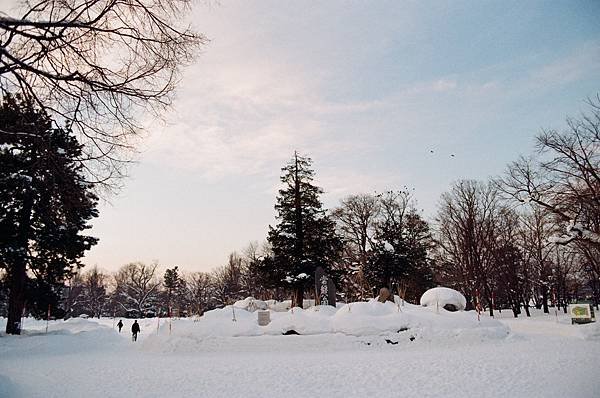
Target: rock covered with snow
x,y
444,297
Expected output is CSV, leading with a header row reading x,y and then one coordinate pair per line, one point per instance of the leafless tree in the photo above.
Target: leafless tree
x,y
199,286
536,229
97,65
564,177
356,219
510,275
94,298
227,281
562,180
466,237
137,288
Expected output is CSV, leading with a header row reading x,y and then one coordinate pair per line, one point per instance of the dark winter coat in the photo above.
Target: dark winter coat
x,y
135,328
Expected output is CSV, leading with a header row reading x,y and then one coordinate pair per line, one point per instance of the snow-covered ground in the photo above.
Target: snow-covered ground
x,y
359,351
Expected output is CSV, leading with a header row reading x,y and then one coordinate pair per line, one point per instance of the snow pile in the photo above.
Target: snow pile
x,y
358,320
251,304
286,305
314,320
440,297
73,336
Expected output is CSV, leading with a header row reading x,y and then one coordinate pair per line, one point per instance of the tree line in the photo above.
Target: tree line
x,y
70,119
528,237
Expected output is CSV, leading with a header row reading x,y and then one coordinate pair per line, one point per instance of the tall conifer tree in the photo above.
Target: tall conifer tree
x,y
304,237
45,203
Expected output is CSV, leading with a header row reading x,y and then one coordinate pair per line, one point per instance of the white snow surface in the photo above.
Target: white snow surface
x,y
358,350
354,319
438,297
251,304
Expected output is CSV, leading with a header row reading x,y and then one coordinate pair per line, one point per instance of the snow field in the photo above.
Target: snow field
x,y
439,355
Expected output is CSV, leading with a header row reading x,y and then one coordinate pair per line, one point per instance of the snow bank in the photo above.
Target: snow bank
x,y
72,336
439,297
251,304
358,319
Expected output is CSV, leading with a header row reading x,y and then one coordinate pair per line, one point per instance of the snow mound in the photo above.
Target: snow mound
x,y
443,297
354,320
72,336
251,304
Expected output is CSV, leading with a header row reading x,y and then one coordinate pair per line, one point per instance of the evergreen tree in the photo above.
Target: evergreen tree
x,y
44,205
171,281
305,236
177,294
3,296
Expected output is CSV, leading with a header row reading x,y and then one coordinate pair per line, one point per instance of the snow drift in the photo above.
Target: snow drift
x,y
357,320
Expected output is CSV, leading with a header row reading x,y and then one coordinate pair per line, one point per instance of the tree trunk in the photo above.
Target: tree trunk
x,y
18,270
545,299
16,299
299,296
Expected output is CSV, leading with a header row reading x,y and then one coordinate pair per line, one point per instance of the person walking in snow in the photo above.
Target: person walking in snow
x,y
135,329
120,325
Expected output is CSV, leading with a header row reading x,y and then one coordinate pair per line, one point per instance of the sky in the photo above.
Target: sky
x,y
366,89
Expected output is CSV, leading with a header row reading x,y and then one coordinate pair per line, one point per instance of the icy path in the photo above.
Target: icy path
x,y
103,364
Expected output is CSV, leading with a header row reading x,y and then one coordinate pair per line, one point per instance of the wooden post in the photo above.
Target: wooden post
x,y
47,318
478,305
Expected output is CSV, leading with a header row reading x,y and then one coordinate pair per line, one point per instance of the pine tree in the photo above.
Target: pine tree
x,y
44,205
171,281
305,236
177,293
3,296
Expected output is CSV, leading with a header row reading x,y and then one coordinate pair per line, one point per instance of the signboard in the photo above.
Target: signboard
x,y
580,311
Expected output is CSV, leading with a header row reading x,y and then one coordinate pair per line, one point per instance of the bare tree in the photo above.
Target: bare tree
x,y
510,277
466,237
137,288
564,177
200,286
536,228
97,65
356,219
227,280
94,298
72,295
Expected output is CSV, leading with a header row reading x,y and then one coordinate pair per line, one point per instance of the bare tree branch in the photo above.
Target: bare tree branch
x,y
98,65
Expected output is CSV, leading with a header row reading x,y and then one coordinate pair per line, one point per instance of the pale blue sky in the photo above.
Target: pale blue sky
x,y
366,89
